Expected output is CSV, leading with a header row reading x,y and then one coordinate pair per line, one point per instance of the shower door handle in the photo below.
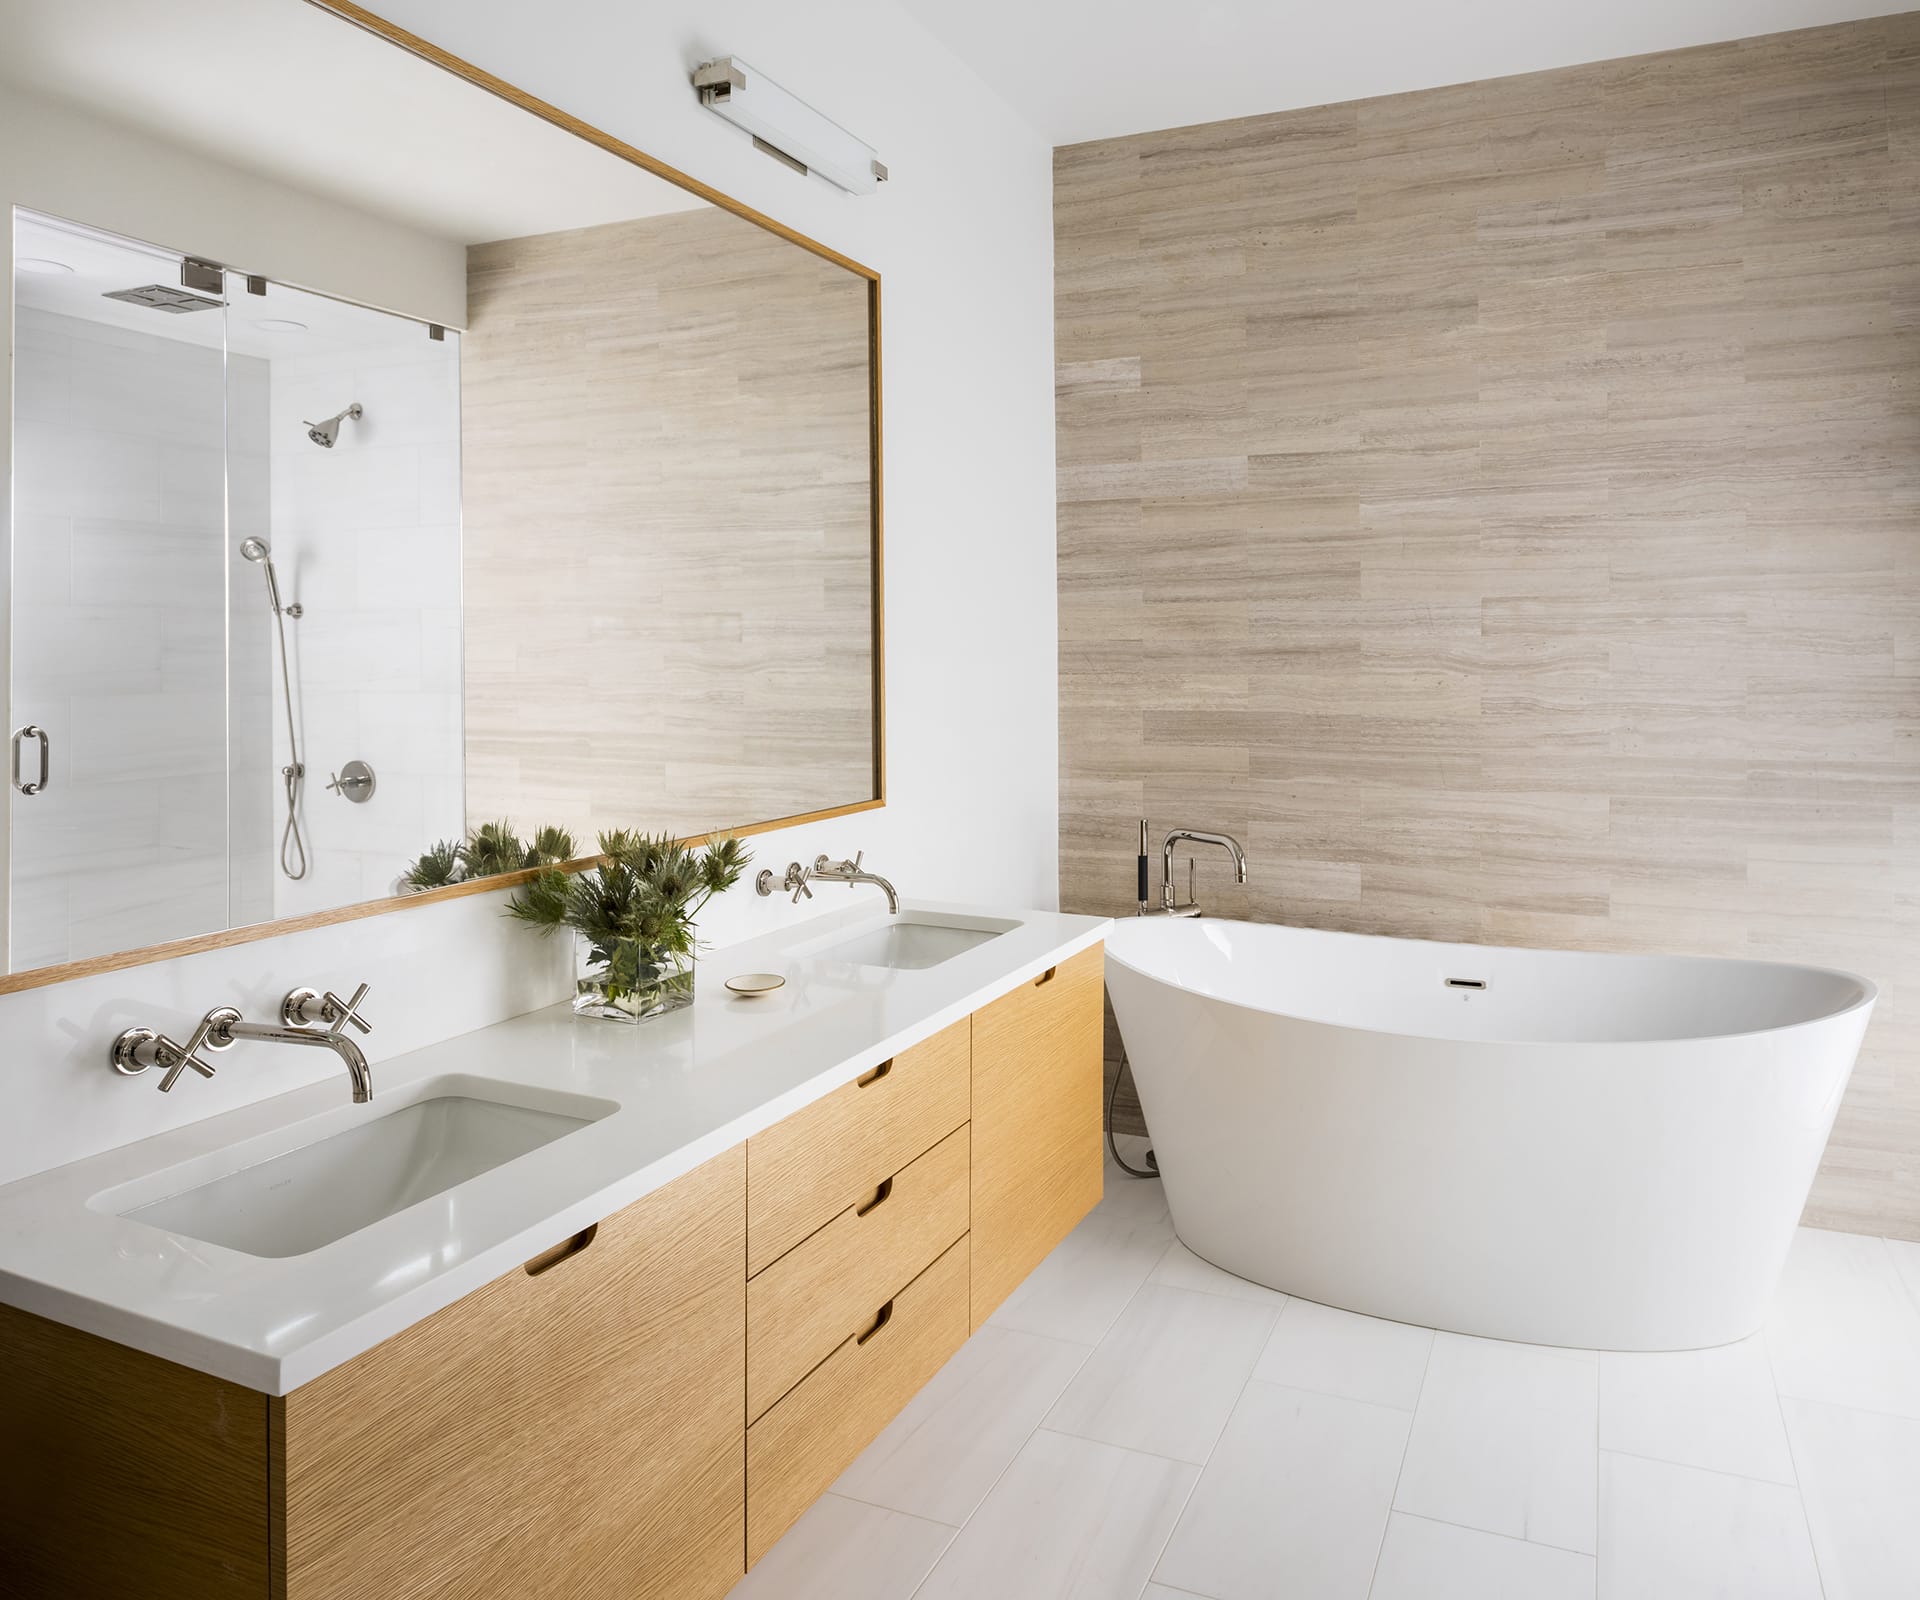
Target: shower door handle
x,y
20,781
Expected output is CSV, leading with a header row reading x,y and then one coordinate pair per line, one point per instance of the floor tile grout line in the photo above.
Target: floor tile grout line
x,y
1212,1449
1799,1484
1495,1533
1695,1466
1406,1448
998,1476
1090,1351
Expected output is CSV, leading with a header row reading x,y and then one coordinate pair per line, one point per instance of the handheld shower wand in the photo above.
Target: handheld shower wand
x,y
293,849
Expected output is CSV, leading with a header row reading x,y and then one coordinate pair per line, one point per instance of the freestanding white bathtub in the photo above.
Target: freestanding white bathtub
x,y
1602,1151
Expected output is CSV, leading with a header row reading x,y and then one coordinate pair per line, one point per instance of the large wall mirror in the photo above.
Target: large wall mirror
x,y
388,456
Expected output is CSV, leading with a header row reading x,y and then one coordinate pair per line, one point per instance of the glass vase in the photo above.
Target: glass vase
x,y
627,980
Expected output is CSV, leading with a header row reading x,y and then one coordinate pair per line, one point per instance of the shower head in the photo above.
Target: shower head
x,y
324,433
260,553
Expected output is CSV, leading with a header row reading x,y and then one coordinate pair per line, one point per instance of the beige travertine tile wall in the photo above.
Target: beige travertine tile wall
x,y
1500,506
667,486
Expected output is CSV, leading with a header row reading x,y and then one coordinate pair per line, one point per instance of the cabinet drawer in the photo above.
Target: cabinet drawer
x,y
806,1441
571,1429
806,1170
825,1288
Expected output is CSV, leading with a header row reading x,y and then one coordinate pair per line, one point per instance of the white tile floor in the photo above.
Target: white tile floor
x,y
1135,1424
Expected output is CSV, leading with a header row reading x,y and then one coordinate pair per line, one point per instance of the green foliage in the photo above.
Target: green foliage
x,y
635,908
491,849
638,904
494,848
436,868
550,847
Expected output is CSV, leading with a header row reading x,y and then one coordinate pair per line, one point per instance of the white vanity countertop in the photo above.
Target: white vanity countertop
x,y
688,1086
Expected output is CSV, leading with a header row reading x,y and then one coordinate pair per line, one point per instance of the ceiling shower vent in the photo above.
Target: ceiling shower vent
x,y
158,297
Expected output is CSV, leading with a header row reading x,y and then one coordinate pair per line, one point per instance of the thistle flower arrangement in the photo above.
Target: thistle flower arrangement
x,y
633,917
491,849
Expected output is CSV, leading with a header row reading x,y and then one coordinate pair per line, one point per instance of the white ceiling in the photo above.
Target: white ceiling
x,y
251,325
282,89
1094,69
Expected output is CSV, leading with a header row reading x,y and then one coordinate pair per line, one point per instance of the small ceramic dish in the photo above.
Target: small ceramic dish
x,y
752,983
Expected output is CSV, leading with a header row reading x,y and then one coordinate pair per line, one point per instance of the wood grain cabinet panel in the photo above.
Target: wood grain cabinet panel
x,y
1036,1122
804,1171
568,1432
825,1289
806,1441
123,1475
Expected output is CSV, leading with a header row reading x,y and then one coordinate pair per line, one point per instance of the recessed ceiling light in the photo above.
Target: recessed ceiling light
x,y
280,325
41,266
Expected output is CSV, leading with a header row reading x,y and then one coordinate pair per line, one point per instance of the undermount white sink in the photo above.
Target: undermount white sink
x,y
315,1193
913,942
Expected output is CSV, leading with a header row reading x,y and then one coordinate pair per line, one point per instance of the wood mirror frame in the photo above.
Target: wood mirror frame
x,y
433,55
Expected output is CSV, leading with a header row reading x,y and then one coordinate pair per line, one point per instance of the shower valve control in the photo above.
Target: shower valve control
x,y
353,782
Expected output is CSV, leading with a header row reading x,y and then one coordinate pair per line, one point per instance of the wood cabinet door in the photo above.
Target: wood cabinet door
x,y
123,1475
571,1430
1036,1122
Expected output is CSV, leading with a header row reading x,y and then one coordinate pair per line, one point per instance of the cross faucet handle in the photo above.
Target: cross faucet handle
x,y
139,1049
309,1008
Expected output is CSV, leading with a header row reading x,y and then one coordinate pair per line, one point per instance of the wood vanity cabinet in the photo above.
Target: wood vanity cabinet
x,y
570,1429
1037,1160
637,1414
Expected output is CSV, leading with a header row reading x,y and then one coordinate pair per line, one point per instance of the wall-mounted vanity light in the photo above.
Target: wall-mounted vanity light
x,y
786,127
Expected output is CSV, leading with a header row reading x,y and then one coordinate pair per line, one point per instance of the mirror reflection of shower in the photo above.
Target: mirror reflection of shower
x,y
293,848
324,433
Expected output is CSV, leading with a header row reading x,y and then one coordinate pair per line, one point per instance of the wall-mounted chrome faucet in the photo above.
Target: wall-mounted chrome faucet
x,y
307,1017
824,870
850,873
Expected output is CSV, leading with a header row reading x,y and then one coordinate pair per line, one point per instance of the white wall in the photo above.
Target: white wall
x,y
963,237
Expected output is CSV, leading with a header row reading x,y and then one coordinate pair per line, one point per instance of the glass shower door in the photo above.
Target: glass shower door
x,y
119,599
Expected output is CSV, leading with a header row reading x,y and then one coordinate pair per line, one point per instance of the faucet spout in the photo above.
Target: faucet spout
x,y
851,872
277,1033
1225,841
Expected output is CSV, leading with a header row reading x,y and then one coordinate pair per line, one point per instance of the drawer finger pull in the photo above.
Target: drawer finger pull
x,y
876,1075
880,1194
566,1250
1045,977
879,1322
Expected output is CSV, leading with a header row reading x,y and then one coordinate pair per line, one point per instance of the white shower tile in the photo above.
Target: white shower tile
x,y
1180,1268
1338,1352
1504,1440
1426,1560
1070,1520
1681,1533
1860,1481
843,1550
1701,1408
1167,1374
1844,1329
1293,1501
1086,1281
942,1454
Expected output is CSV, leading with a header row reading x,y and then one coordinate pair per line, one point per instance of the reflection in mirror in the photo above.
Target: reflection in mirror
x,y
386,459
